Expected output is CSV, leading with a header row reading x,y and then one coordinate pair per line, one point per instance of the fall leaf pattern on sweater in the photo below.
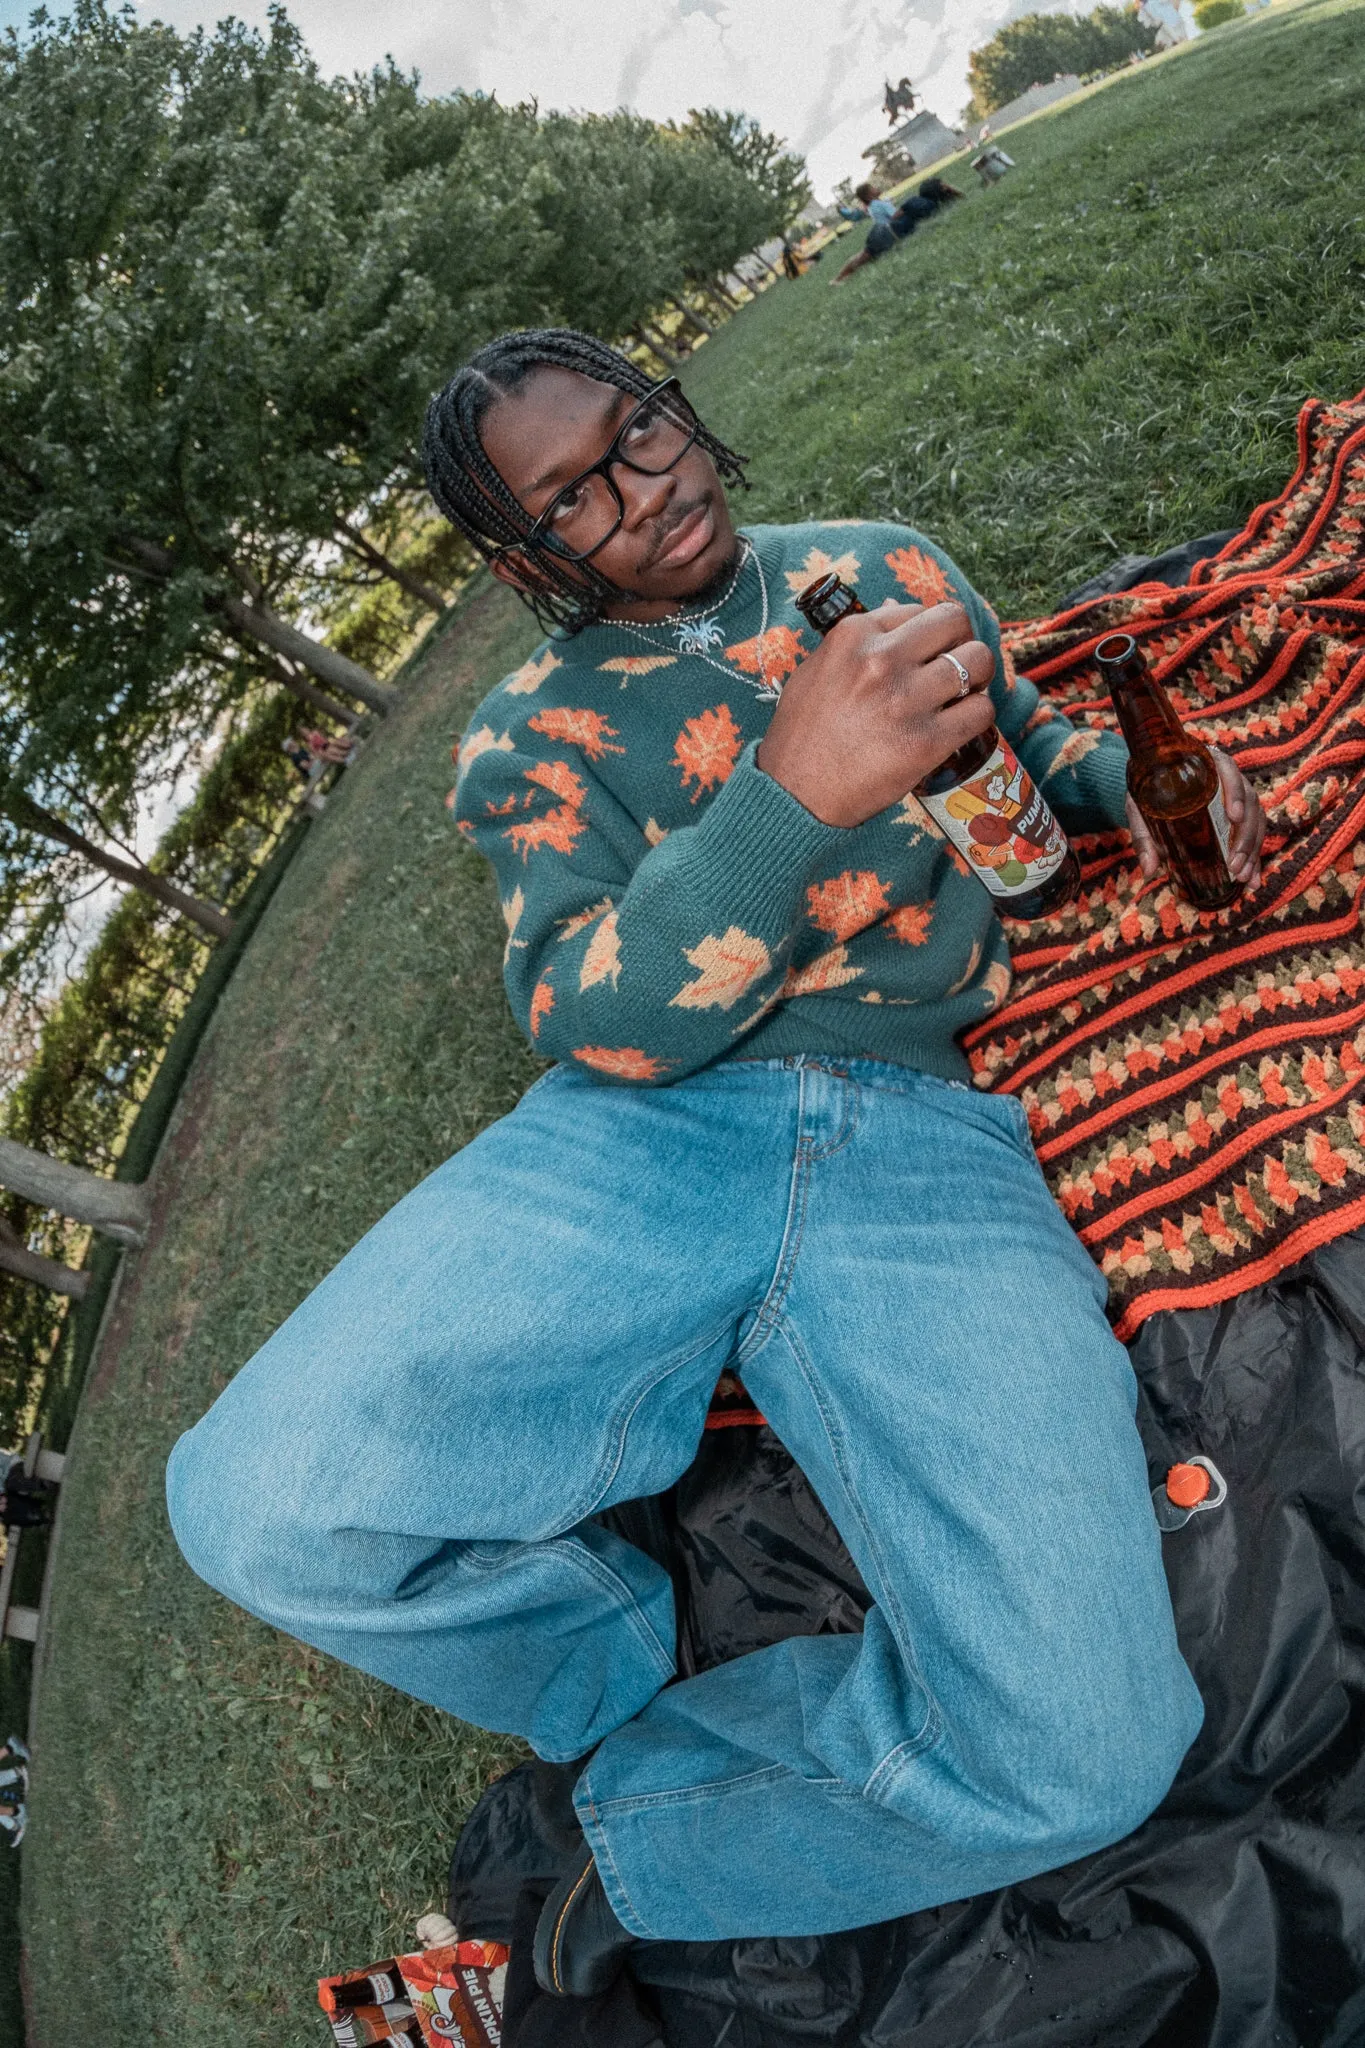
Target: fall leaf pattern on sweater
x,y
669,904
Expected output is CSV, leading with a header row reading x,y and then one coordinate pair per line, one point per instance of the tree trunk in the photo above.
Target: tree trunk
x,y
258,622
690,318
425,593
309,693
50,1273
31,817
659,345
118,1208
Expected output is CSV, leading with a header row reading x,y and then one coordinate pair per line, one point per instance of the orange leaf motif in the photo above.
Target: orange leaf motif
x,y
707,749
910,923
772,655
919,576
626,1062
602,960
727,968
586,729
542,1002
532,674
831,970
848,904
563,827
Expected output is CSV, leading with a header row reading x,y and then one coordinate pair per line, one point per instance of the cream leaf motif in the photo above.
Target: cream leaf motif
x,y
655,833
727,968
1074,748
602,960
829,970
635,664
532,674
972,965
571,926
483,740
818,563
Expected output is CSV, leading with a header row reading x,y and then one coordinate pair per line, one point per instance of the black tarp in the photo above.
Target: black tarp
x,y
1235,1917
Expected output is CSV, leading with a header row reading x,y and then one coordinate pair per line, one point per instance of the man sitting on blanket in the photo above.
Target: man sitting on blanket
x,y
734,931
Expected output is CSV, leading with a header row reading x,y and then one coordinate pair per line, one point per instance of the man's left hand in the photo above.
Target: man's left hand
x,y
1245,816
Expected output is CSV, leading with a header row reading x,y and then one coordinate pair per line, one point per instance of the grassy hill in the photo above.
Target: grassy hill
x,y
1104,354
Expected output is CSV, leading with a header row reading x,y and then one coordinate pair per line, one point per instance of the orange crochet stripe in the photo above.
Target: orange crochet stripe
x,y
1299,1030
1228,1076
1309,1237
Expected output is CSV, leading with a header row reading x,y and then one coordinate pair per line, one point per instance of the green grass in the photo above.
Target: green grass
x,y
1103,354
1106,353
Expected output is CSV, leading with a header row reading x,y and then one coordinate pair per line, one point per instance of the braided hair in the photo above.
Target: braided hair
x,y
472,495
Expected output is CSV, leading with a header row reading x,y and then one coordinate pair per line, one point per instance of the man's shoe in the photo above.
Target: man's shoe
x,y
580,1945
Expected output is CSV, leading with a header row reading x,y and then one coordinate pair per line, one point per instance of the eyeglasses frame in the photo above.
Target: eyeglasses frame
x,y
539,537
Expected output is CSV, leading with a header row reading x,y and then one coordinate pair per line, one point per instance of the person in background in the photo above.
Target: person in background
x,y
26,1503
885,235
870,206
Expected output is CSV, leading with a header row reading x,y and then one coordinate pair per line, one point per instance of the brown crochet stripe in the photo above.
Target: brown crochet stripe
x,y
1195,1083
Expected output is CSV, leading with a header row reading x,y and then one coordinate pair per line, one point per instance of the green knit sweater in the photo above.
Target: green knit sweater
x,y
668,904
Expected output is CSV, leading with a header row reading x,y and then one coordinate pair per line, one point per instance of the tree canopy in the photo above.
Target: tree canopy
x,y
1037,47
227,288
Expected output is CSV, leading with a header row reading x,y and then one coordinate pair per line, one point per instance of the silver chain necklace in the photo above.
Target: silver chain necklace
x,y
695,636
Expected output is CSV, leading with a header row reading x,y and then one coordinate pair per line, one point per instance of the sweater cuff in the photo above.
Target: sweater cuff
x,y
770,838
1105,774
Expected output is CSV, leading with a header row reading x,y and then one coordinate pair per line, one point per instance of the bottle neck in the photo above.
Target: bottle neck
x,y
1144,711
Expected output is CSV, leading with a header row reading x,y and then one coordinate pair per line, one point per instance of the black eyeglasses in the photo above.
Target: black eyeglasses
x,y
583,515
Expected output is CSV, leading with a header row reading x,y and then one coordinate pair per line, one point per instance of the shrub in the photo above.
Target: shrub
x,y
1209,13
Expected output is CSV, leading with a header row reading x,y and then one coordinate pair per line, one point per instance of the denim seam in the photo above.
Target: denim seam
x,y
768,1309
889,1604
582,1558
689,1795
851,1113
611,1463
594,1814
903,1753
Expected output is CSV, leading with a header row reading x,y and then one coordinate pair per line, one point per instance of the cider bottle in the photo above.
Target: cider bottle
x,y
382,1985
982,797
1172,777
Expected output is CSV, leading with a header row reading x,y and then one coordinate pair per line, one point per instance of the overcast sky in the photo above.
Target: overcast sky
x,y
811,69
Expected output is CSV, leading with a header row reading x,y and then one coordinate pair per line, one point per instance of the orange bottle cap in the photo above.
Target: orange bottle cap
x,y
1187,1485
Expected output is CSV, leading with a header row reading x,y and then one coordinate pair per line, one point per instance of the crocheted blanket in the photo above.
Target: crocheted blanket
x,y
1195,1081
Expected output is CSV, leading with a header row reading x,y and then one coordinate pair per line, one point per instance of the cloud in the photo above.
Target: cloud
x,y
811,69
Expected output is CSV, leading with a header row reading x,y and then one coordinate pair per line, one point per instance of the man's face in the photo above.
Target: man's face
x,y
676,537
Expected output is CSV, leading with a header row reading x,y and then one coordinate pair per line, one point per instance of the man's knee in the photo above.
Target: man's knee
x,y
1100,1774
218,1497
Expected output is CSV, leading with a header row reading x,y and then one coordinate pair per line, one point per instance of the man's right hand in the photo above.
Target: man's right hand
x,y
875,708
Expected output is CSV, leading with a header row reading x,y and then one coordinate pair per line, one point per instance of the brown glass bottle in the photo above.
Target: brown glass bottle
x,y
1172,777
382,1986
981,797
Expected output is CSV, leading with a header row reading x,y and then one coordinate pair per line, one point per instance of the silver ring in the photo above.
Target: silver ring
x,y
964,674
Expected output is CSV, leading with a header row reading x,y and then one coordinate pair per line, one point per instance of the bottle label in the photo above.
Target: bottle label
x,y
1001,825
1218,818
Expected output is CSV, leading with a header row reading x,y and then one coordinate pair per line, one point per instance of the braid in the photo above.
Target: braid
x,y
472,495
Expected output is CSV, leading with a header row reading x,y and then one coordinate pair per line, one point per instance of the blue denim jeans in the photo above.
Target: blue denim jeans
x,y
403,1476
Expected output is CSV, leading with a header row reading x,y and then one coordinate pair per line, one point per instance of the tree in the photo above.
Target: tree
x,y
1037,47
777,174
118,1209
